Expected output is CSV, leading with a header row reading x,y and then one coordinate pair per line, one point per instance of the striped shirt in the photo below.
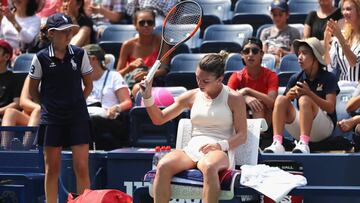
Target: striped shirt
x,y
340,62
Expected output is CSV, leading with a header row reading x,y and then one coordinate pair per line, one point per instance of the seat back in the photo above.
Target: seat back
x,y
229,33
22,63
219,8
245,154
185,62
252,6
143,133
112,47
289,63
255,20
303,6
268,61
118,33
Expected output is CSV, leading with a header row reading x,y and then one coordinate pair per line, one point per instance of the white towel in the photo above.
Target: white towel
x,y
273,182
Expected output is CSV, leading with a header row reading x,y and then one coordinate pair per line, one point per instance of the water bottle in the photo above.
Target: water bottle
x,y
156,157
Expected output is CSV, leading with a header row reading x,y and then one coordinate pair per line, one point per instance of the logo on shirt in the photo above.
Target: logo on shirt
x,y
52,65
319,87
73,64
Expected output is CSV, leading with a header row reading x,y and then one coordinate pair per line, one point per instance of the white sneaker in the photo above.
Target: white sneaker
x,y
301,148
275,147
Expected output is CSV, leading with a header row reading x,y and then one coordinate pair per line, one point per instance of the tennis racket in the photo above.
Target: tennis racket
x,y
180,24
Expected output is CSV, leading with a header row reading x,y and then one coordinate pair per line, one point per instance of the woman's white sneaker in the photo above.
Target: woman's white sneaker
x,y
275,147
301,148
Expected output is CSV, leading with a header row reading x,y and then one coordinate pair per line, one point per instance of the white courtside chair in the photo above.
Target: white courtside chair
x,y
245,154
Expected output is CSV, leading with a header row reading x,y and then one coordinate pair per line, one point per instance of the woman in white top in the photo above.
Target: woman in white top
x,y
109,88
218,120
20,25
112,93
344,52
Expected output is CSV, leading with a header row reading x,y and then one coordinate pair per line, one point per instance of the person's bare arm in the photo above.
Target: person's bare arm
x,y
82,37
353,104
113,16
267,99
307,31
34,89
26,102
238,108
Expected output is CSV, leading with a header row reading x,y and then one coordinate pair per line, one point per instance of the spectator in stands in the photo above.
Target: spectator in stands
x,y
342,52
29,116
314,89
138,54
315,22
65,75
86,34
279,37
111,97
218,127
9,86
258,85
107,12
20,25
160,7
352,108
51,7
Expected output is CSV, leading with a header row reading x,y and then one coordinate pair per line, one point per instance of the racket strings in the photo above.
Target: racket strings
x,y
182,22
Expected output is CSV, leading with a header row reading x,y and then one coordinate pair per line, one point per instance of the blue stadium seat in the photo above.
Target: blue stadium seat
x,y
207,21
255,20
118,33
228,33
219,8
261,28
269,61
182,71
233,63
22,63
143,133
215,46
252,6
288,66
111,47
185,62
303,6
289,63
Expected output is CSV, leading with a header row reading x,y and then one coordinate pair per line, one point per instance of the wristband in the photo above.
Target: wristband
x,y
224,145
148,102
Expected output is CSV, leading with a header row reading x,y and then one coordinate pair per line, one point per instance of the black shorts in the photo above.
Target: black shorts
x,y
65,135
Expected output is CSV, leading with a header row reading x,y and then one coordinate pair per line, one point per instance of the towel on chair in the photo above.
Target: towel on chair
x,y
273,182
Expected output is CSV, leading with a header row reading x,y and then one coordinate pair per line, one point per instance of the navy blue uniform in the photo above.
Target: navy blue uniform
x,y
61,96
324,83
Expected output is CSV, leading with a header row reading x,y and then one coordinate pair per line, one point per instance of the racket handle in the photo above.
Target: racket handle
x,y
152,71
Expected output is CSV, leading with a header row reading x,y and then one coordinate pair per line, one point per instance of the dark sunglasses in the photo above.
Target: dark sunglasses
x,y
147,22
253,50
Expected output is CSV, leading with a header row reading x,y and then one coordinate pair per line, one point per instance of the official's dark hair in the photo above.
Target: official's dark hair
x,y
214,63
253,40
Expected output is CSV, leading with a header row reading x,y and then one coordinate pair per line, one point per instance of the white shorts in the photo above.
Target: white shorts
x,y
322,126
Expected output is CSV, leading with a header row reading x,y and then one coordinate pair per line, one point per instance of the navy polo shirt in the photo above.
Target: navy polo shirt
x,y
323,84
61,95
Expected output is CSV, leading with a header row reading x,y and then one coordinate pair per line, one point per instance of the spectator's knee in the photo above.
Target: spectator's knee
x,y
305,101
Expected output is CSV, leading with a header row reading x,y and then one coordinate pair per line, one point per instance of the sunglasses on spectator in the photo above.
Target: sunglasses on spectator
x,y
147,22
253,50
